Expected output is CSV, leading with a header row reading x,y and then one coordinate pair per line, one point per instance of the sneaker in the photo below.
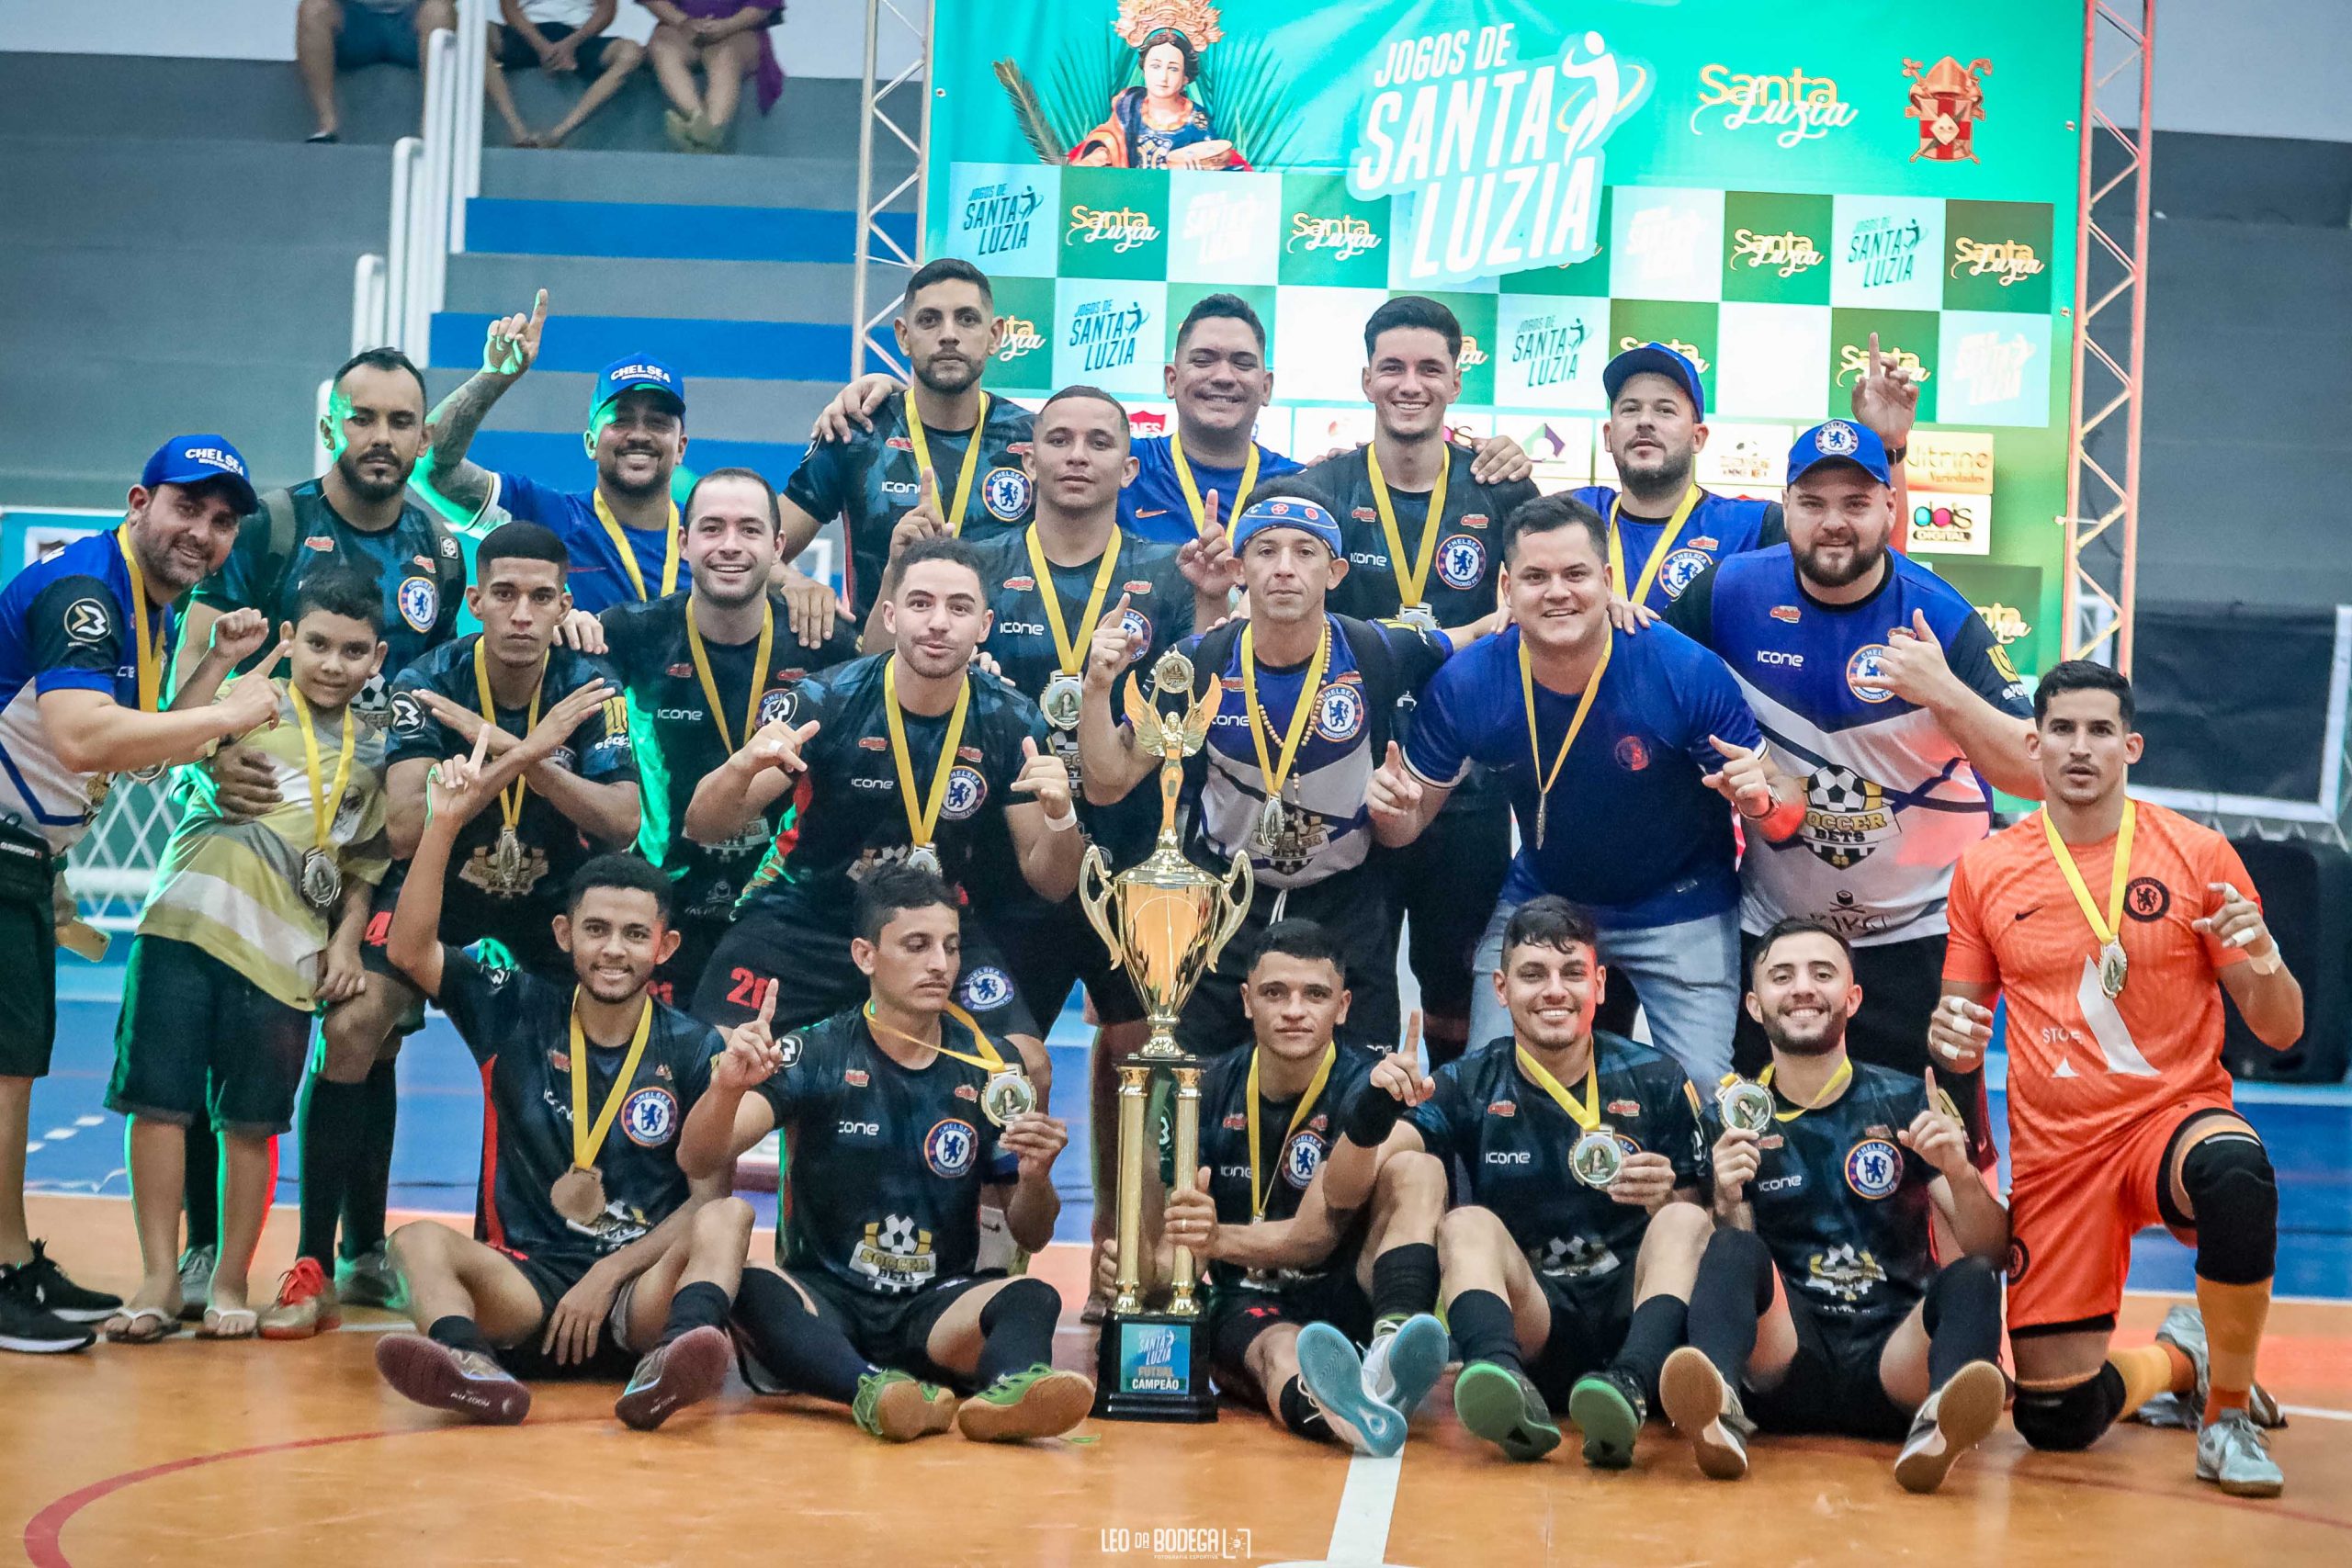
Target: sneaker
x,y
1337,1381
893,1406
195,1282
2232,1454
686,1370
1706,1410
306,1304
29,1327
2184,1329
1499,1405
370,1281
1040,1402
61,1297
1953,1420
466,1381
1403,1365
1608,1407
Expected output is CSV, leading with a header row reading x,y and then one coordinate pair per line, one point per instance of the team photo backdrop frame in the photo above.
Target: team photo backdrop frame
x,y
1762,185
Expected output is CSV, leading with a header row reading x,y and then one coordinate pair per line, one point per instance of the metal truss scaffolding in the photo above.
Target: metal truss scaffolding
x,y
875,286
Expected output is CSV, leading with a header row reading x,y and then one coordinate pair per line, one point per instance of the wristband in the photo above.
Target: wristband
x,y
1371,1116
1783,819
1063,823
1895,455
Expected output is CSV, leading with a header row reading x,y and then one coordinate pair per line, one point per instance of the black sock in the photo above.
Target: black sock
x,y
800,1349
1301,1414
368,1189
1733,1290
203,1183
1482,1329
458,1334
1963,1318
1651,1337
699,1305
1404,1281
1018,1324
333,1116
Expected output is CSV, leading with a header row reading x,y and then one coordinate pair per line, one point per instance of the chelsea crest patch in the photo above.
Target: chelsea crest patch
x,y
1461,561
985,989
1006,492
419,602
649,1117
1873,1168
1338,713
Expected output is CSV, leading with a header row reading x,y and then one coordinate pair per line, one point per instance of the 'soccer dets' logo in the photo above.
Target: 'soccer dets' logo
x,y
2012,261
1786,253
966,790
996,219
1885,249
1105,333
1021,339
984,989
1123,229
1345,238
1846,818
1545,348
420,601
1688,350
1798,107
948,1148
1461,561
1302,1158
1005,493
1873,1166
1338,713
650,1116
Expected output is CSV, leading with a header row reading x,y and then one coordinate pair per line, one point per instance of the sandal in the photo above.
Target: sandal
x,y
229,1323
141,1325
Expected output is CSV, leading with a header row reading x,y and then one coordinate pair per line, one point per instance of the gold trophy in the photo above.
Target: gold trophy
x,y
1165,920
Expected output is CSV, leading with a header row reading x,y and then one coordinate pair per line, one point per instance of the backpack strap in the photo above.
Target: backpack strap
x,y
277,545
1378,663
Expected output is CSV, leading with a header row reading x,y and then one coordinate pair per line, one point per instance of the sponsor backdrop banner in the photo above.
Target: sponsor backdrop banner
x,y
1762,184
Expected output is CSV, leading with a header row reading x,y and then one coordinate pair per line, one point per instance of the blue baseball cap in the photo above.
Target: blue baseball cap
x,y
1287,512
193,459
637,370
1654,358
1839,441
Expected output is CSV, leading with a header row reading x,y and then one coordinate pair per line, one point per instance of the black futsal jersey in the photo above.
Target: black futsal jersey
x,y
1287,1160
874,479
678,745
518,1027
1843,1205
598,750
884,1164
1509,1143
1461,583
848,818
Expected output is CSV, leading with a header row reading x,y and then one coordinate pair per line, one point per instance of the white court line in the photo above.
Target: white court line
x,y
1360,1531
2315,1412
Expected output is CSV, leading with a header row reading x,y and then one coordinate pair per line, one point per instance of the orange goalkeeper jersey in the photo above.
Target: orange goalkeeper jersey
x,y
2083,1068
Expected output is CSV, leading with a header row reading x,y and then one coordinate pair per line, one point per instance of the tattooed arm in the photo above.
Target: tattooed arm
x,y
464,488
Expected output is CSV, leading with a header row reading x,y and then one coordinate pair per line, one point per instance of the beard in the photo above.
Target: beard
x,y
163,566
369,490
732,595
1667,475
1864,561
1817,1040
950,375
608,475
604,988
932,665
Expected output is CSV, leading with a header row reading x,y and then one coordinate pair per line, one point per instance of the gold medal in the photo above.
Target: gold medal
x,y
579,1195
922,443
507,863
1419,615
1273,823
506,860
321,880
1063,694
1744,1104
1412,576
629,555
923,857
1006,1096
1275,772
1544,781
1063,697
922,822
710,683
1659,552
2114,968
1597,1158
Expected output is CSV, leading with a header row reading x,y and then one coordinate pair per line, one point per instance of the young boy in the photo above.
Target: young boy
x,y
250,926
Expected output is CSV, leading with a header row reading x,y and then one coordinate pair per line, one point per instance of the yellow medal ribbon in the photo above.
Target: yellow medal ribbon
x,y
622,547
955,518
989,1060
1276,776
1545,781
1068,649
1659,552
322,801
710,684
1409,580
1192,501
510,799
150,661
585,1140
920,827
1261,1193
1587,1115
2109,930
1829,1091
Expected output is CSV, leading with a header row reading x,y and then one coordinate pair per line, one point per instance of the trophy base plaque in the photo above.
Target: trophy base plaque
x,y
1153,1366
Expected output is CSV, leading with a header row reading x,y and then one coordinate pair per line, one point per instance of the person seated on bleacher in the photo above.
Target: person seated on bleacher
x,y
344,35
729,40
562,37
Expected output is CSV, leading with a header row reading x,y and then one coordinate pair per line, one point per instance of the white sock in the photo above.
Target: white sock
x,y
1378,1381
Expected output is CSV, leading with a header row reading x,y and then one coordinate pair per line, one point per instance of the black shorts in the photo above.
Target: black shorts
x,y
1236,1316
553,1274
815,977
1350,906
1901,982
1833,1385
1048,949
516,53
1448,881
27,955
195,1038
892,1331
1589,1319
523,927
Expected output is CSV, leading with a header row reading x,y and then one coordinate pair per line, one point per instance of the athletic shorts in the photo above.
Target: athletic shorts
x,y
371,36
1236,1316
815,977
1441,889
195,1038
525,928
1833,1384
2071,1221
27,955
516,53
552,1275
890,1331
1902,982
1050,949
1589,1321
1350,906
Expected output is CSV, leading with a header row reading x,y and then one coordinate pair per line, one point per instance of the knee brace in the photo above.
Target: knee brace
x,y
1964,1283
2066,1420
1028,1297
1734,1259
2235,1197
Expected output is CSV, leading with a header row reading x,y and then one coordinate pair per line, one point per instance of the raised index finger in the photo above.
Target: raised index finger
x,y
482,744
767,1009
538,310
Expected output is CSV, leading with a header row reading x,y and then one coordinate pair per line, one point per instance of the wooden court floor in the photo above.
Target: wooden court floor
x,y
262,1454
